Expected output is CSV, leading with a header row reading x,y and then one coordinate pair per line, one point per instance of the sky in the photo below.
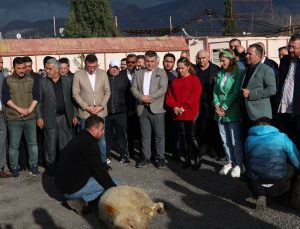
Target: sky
x,y
33,10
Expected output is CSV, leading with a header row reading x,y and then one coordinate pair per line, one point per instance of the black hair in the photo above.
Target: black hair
x,y
46,58
90,58
93,120
18,60
27,59
131,55
64,60
295,36
170,55
264,121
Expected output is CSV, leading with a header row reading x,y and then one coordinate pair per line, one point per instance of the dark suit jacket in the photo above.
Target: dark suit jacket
x,y
261,85
283,71
46,108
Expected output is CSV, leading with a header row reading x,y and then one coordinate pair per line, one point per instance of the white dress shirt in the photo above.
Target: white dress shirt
x,y
147,80
129,76
92,78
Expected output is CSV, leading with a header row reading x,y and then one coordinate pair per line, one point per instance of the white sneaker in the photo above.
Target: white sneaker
x,y
108,161
225,169
236,172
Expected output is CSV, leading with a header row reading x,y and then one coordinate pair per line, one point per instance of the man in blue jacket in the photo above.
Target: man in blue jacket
x,y
266,154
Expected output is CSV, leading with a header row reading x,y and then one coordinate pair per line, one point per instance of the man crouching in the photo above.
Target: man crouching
x,y
267,153
81,176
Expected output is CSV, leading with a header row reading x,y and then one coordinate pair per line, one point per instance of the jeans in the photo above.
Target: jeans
x,y
91,191
3,142
230,133
15,130
101,142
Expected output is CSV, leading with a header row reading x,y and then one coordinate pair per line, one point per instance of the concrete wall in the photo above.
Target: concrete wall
x,y
213,45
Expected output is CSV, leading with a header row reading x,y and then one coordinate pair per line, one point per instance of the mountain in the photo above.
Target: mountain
x,y
131,16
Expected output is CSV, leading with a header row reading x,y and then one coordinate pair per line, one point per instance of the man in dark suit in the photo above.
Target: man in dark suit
x,y
149,88
55,111
289,89
258,85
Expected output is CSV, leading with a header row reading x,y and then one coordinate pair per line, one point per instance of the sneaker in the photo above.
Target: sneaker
x,y
236,172
225,169
34,170
108,161
15,173
125,161
160,163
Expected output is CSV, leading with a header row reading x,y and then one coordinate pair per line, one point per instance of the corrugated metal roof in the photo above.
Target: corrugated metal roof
x,y
57,46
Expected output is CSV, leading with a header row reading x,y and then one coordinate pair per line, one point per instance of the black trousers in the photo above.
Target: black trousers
x,y
290,124
171,135
116,133
187,138
279,186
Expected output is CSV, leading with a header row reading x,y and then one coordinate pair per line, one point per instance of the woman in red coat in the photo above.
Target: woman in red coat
x,y
184,98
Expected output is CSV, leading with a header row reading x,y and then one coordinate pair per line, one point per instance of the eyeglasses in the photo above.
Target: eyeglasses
x,y
292,47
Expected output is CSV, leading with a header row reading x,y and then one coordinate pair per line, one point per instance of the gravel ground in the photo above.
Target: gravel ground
x,y
193,199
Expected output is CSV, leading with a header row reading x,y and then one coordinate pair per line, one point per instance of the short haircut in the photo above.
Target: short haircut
x,y
258,49
90,58
124,59
151,54
296,36
283,47
55,63
140,57
18,60
171,55
131,55
263,121
64,60
93,120
46,58
234,40
27,59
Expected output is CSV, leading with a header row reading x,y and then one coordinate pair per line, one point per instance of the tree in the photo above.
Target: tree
x,y
230,27
92,18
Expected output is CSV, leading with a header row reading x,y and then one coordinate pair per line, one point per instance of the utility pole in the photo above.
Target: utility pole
x,y
171,26
116,26
54,27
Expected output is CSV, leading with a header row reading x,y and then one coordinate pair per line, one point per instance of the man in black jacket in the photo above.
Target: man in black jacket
x,y
116,121
289,89
81,176
56,113
208,129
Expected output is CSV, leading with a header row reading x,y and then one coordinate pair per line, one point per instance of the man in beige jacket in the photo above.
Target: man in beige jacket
x,y
91,91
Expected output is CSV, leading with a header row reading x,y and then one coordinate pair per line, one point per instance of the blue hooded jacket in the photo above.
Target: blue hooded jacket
x,y
266,153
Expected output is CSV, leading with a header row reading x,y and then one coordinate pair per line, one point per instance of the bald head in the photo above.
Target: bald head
x,y
203,59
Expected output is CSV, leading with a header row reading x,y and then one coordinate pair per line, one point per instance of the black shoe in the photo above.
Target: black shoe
x,y
125,161
196,166
186,165
160,163
142,163
79,206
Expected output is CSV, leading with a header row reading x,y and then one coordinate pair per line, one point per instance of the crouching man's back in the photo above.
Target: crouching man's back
x,y
267,152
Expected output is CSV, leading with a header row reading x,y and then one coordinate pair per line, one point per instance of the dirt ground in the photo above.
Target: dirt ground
x,y
193,199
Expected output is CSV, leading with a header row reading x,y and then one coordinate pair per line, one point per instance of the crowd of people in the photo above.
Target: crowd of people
x,y
187,110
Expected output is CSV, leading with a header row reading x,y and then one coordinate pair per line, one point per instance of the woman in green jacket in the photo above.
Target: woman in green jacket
x,y
227,109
